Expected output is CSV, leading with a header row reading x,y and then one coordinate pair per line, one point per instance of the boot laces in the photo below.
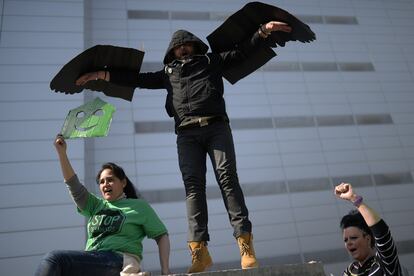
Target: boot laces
x,y
245,249
196,255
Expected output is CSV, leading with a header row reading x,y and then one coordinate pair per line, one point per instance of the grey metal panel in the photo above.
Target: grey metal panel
x,y
335,120
356,180
373,119
393,178
307,185
181,15
356,66
279,122
251,123
319,66
136,14
346,20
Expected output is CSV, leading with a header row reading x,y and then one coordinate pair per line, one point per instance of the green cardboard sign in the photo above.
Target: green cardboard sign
x,y
92,119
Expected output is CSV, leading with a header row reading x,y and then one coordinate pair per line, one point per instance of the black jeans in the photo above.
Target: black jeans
x,y
193,145
80,263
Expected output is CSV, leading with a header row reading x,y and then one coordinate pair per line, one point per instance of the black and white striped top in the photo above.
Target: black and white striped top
x,y
385,262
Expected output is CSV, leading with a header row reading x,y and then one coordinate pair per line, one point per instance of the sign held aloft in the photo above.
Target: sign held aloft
x,y
91,119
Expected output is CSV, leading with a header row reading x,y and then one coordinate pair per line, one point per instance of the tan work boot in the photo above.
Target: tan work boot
x,y
201,259
248,257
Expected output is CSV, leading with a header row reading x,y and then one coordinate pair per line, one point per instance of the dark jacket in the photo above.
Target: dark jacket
x,y
195,85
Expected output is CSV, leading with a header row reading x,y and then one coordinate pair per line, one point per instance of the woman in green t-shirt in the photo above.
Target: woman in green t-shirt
x,y
117,224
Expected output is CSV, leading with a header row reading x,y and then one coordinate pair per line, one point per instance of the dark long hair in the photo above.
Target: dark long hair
x,y
354,218
119,172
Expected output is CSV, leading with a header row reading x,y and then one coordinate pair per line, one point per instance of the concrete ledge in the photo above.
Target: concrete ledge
x,y
309,269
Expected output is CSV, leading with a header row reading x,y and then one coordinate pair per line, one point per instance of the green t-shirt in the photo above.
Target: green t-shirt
x,y
120,225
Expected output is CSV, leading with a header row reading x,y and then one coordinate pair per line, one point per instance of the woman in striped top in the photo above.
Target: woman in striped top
x,y
367,238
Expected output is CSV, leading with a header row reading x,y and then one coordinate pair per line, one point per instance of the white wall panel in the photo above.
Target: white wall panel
x,y
116,140
276,247
34,92
109,13
272,216
29,111
160,181
376,131
39,36
32,151
354,168
331,109
341,144
25,265
108,24
338,132
258,161
13,196
109,34
280,110
309,198
40,242
296,134
257,175
10,56
115,155
300,146
27,39
63,216
255,111
388,166
155,153
317,227
149,100
42,23
39,171
310,213
398,218
405,129
368,97
347,156
153,114
321,242
38,130
402,233
407,141
39,8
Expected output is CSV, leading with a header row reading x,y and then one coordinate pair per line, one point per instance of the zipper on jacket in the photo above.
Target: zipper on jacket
x,y
187,87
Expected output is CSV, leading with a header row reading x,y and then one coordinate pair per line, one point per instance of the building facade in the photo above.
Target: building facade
x,y
338,109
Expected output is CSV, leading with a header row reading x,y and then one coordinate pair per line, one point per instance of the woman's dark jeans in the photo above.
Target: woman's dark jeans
x,y
193,145
80,263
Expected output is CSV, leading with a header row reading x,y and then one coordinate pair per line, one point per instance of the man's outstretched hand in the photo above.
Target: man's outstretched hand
x,y
98,75
274,26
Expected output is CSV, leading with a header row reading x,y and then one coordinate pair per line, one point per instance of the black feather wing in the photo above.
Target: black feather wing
x,y
243,23
99,57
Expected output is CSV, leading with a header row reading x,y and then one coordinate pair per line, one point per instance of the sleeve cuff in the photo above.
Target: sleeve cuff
x,y
73,180
379,228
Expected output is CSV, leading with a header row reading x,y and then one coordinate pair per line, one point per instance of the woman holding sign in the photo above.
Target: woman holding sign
x,y
117,224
